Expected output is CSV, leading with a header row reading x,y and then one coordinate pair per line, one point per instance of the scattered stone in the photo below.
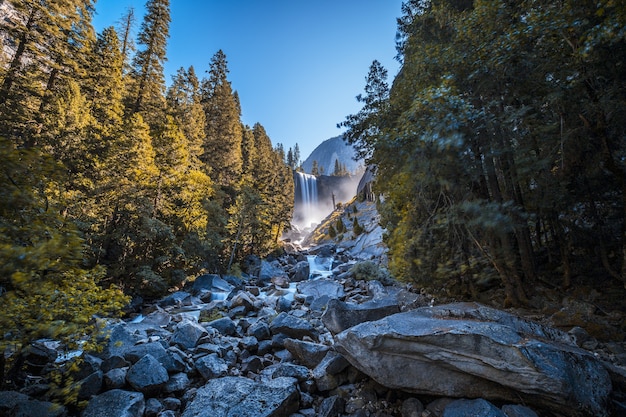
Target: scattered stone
x,y
307,353
177,383
518,411
115,378
474,408
225,326
241,397
147,375
331,406
211,366
187,334
292,327
116,403
412,407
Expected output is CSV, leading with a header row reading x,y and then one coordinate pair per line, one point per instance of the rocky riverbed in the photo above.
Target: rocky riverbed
x,y
301,336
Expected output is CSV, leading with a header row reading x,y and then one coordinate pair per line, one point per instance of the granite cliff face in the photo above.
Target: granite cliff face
x,y
330,150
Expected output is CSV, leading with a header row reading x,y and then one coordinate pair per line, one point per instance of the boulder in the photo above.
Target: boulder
x,y
116,403
320,287
242,397
340,315
15,404
156,350
301,271
292,326
210,282
270,270
225,326
187,334
147,375
467,350
211,366
474,408
307,353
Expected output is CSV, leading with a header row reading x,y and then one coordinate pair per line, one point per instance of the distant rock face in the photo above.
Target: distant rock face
x,y
330,150
468,351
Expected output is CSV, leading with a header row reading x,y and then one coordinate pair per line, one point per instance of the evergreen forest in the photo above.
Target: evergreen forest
x,y
500,146
114,185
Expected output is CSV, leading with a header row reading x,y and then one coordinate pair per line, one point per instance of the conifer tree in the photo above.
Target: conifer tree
x,y
222,146
148,87
184,103
49,38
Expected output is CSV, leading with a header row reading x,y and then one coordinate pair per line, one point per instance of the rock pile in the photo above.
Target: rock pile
x,y
273,344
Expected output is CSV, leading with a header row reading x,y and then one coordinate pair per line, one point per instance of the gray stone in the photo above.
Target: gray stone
x,y
114,362
301,271
116,403
211,366
157,318
115,378
299,372
210,282
473,351
153,407
307,353
37,408
474,408
292,326
147,375
91,385
177,299
319,287
412,407
177,383
518,411
225,326
340,316
243,299
120,339
260,330
326,372
270,270
331,406
242,397
187,334
156,350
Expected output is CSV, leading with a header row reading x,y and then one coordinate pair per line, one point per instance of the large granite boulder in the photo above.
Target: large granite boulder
x,y
467,350
242,397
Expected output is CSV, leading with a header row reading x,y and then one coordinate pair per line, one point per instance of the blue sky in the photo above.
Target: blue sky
x,y
297,64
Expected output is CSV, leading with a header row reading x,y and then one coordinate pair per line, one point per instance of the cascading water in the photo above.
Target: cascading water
x,y
320,267
306,201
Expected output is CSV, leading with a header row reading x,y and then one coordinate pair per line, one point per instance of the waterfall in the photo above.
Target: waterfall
x,y
306,201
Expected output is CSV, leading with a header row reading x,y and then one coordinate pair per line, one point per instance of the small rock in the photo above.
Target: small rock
x,y
116,403
147,375
474,408
211,366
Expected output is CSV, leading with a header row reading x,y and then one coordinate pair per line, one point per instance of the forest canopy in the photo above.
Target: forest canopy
x,y
113,182
500,147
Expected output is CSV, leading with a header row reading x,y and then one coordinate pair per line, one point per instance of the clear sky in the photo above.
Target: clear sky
x,y
297,64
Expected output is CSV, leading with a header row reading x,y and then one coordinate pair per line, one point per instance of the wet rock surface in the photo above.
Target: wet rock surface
x,y
276,343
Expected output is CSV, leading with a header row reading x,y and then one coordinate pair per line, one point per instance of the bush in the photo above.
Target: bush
x,y
369,271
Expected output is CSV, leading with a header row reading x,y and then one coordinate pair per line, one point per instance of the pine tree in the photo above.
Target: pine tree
x,y
222,146
314,168
363,127
148,80
184,103
50,38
